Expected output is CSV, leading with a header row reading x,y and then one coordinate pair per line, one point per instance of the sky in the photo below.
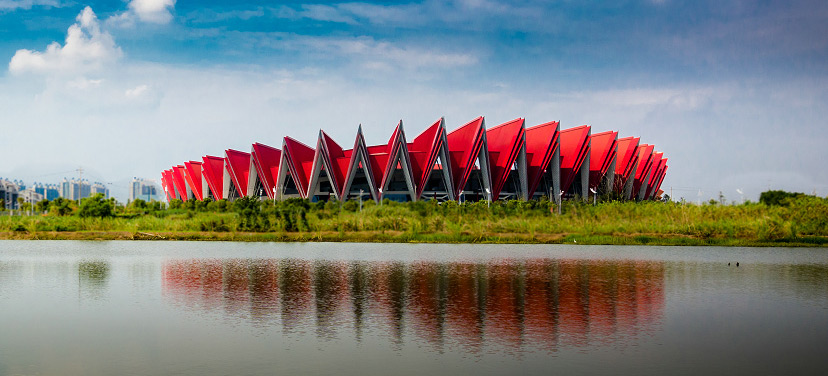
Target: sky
x,y
735,93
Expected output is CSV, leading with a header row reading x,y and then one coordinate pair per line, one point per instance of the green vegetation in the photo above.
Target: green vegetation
x,y
796,220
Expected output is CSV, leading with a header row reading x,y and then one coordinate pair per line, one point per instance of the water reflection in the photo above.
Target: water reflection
x,y
92,278
509,304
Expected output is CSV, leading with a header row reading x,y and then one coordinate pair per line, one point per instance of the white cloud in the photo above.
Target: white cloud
x,y
86,48
84,83
136,91
148,11
26,4
153,11
371,54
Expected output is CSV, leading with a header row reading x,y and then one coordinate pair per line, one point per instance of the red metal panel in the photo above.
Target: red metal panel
x,y
179,182
663,174
602,151
193,170
541,142
266,159
238,165
505,142
169,188
378,155
464,144
574,149
359,149
382,157
625,162
423,151
300,163
213,170
658,164
338,160
645,161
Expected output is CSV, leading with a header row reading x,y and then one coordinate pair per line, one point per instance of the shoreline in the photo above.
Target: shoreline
x,y
408,237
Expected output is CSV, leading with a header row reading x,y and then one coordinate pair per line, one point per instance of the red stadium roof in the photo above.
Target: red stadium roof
x,y
602,149
179,182
506,141
465,145
508,160
213,173
266,165
238,166
626,159
541,143
193,170
574,149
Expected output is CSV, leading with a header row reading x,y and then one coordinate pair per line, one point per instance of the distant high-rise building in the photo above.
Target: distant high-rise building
x,y
144,189
101,188
30,196
48,191
75,190
9,193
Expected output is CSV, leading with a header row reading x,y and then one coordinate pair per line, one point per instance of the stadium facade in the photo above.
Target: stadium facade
x,y
470,163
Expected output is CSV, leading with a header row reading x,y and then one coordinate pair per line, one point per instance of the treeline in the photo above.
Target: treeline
x,y
795,218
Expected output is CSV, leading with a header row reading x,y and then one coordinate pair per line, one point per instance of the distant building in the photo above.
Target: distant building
x,y
101,188
9,193
30,196
75,189
48,191
144,189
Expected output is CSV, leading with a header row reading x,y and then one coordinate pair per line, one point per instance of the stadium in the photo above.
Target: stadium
x,y
471,163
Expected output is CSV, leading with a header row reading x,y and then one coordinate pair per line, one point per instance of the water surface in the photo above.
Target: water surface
x,y
193,308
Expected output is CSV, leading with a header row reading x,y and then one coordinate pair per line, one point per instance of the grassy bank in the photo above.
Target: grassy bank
x,y
797,222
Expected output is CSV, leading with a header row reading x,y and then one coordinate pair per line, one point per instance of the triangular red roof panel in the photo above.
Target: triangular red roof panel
x,y
266,159
423,151
658,164
505,141
300,159
464,145
238,164
383,157
180,182
541,142
213,171
602,150
574,148
169,188
338,161
194,178
645,161
625,161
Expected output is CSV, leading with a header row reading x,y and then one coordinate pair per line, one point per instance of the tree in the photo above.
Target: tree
x,y
778,198
96,206
251,217
61,206
42,205
176,204
2,204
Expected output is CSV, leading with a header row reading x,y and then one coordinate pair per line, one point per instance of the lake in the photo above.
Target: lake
x,y
221,308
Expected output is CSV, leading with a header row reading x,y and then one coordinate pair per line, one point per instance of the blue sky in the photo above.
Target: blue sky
x,y
734,92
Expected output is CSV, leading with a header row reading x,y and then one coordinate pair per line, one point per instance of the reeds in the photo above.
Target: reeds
x,y
804,221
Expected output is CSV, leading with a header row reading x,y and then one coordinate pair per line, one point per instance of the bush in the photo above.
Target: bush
x,y
61,206
176,204
251,217
96,206
778,198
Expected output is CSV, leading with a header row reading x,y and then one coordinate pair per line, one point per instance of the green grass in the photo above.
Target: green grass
x,y
803,222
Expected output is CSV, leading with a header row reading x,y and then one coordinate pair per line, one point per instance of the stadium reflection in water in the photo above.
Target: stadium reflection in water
x,y
509,304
